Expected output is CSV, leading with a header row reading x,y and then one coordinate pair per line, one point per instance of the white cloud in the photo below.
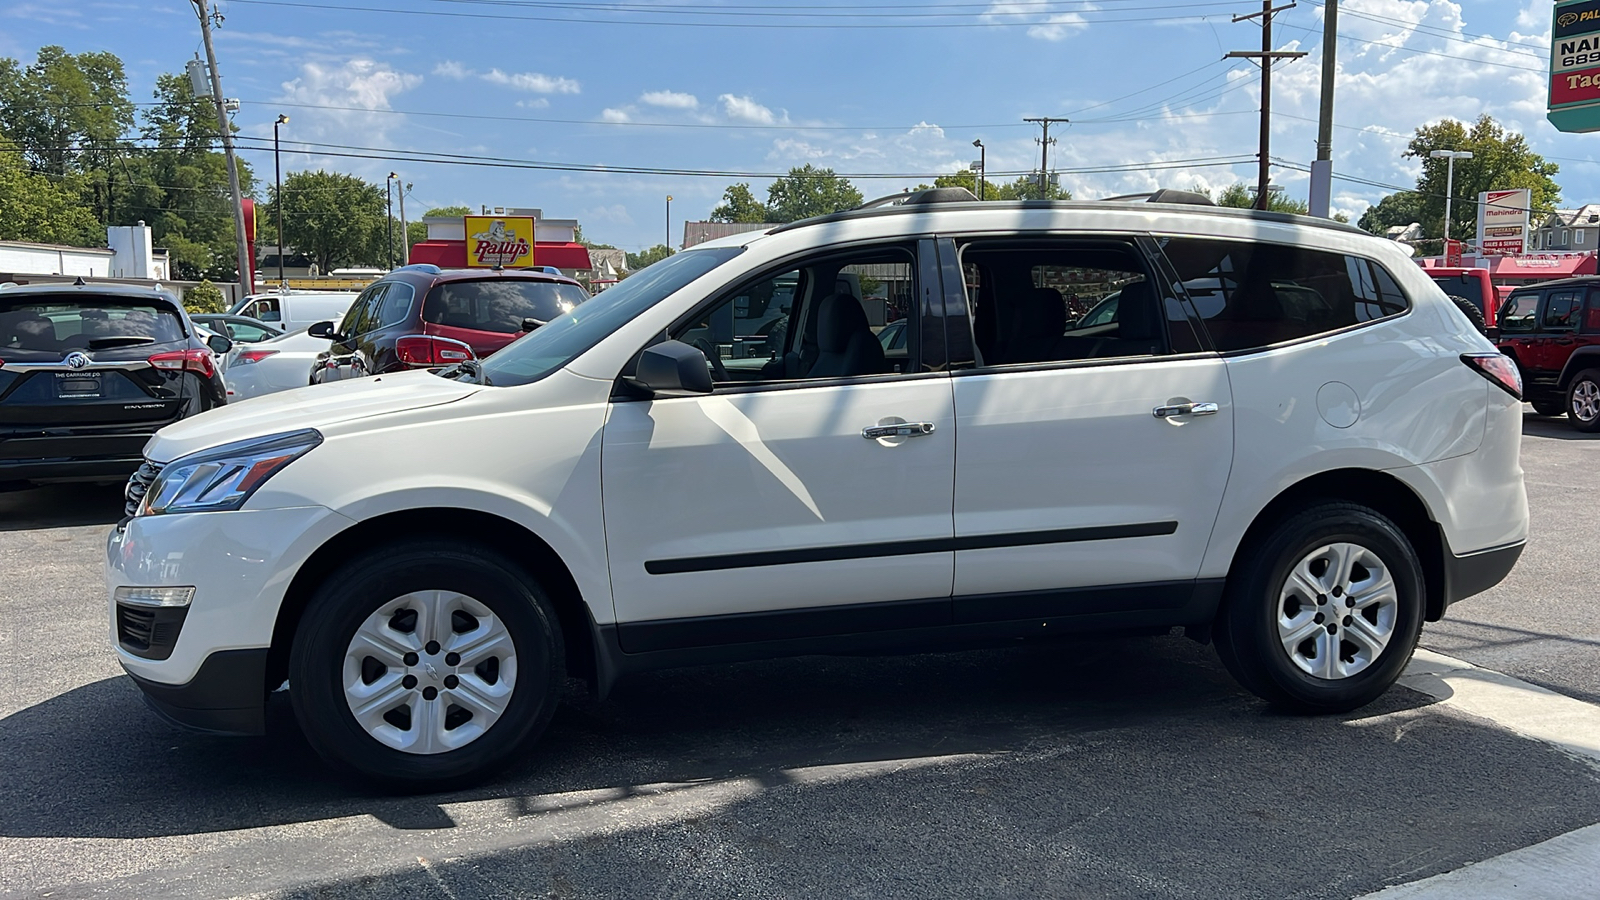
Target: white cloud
x,y
1059,27
615,214
1045,27
670,100
338,100
533,82
615,115
451,69
744,109
535,103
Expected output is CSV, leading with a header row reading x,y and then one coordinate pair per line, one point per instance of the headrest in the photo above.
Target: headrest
x,y
1136,319
34,333
1041,313
840,319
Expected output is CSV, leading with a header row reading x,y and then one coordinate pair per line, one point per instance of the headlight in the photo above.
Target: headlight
x,y
222,478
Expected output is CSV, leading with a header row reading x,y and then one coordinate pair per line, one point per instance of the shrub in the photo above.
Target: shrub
x,y
204,297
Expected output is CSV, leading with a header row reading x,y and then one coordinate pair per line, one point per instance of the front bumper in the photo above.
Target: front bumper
x,y
226,696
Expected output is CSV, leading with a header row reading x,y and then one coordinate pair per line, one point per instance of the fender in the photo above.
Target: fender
x,y
1581,358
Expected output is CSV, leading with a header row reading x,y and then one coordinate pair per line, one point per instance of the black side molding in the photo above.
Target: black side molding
x,y
227,696
904,548
1466,576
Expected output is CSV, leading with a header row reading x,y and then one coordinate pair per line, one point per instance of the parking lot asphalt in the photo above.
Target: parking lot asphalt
x,y
1112,768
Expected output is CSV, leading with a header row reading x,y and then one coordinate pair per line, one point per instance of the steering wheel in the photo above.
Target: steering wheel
x,y
713,358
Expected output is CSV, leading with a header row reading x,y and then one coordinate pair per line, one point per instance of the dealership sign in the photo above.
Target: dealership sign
x,y
1575,66
1503,220
499,241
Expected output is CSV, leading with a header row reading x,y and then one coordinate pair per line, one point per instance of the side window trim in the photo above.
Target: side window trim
x,y
1172,287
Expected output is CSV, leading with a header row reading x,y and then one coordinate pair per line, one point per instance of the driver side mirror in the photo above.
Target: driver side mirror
x,y
219,344
1492,332
323,330
672,367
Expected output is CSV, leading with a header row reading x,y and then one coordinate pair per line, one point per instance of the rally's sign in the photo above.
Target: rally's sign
x,y
1503,220
1575,66
503,241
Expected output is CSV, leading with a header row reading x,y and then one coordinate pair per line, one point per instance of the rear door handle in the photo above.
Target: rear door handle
x,y
1186,409
902,429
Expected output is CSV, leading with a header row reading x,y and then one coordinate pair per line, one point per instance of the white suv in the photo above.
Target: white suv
x,y
1283,438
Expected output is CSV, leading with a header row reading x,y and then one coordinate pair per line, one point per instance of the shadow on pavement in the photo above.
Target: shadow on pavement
x,y
61,506
1553,427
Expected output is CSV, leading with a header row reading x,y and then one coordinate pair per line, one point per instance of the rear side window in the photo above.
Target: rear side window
x,y
1520,313
1254,295
1561,310
53,325
396,305
500,304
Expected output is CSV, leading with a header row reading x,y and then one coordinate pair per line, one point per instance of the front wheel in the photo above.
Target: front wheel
x,y
1323,614
1583,401
425,665
1549,407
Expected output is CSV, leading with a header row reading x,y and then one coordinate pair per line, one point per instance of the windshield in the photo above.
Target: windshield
x,y
499,304
55,325
570,335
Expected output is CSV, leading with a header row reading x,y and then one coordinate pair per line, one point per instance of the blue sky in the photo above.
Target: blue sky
x,y
584,83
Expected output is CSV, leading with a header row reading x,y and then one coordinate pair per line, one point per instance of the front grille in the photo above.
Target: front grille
x,y
150,632
138,484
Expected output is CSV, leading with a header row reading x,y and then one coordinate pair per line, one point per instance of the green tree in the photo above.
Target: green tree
x,y
739,205
637,261
417,232
204,297
1396,209
1026,187
336,219
808,191
35,208
1501,160
1238,196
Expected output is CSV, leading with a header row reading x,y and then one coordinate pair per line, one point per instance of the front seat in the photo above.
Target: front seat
x,y
1038,319
846,345
1138,323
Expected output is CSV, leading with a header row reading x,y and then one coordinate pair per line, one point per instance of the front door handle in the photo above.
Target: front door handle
x,y
901,429
1186,409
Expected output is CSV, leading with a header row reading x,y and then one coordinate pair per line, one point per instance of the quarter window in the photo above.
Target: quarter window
x,y
396,306
1254,295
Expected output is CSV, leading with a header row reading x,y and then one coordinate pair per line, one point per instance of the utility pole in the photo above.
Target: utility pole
x,y
1266,55
1322,169
1044,151
246,285
405,232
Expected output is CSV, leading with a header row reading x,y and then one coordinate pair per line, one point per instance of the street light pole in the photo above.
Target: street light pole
x,y
983,166
388,198
669,225
1450,157
277,197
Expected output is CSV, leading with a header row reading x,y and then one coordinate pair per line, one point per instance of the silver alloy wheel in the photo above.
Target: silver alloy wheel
x,y
429,672
1586,400
1337,611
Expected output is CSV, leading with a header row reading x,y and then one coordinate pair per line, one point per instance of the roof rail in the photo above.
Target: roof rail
x,y
429,268
918,198
1166,195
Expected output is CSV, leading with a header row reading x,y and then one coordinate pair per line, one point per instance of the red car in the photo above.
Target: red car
x,y
422,316
1552,331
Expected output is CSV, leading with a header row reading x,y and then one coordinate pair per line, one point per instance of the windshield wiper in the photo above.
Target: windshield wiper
x,y
469,367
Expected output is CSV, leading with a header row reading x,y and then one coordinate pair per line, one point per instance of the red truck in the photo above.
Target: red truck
x,y
1471,285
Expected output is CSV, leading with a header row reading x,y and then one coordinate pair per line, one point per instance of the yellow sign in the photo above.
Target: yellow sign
x,y
329,284
505,241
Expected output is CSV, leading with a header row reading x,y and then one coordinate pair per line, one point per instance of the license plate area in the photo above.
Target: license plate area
x,y
78,387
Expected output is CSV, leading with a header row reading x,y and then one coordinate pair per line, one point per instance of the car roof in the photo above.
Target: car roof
x,y
126,291
1575,281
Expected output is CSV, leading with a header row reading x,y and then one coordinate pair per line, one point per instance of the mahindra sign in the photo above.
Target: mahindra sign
x,y
1503,222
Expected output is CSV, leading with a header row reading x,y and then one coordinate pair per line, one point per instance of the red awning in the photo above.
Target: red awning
x,y
453,254
1540,268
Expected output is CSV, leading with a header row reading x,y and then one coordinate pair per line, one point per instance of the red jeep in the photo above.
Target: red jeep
x,y
1552,330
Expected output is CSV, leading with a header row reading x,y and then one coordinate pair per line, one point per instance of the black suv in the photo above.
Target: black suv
x,y
89,372
421,316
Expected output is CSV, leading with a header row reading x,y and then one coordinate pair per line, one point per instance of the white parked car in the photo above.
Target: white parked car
x,y
294,310
275,364
1286,440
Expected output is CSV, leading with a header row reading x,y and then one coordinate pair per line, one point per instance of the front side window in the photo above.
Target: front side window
x,y
264,309
1519,313
360,312
396,305
574,333
1254,295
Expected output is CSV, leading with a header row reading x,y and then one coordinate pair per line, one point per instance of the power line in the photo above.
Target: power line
x,y
987,11
1435,31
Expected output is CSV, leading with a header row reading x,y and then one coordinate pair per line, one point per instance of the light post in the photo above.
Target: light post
x,y
669,225
277,177
388,197
983,154
1450,156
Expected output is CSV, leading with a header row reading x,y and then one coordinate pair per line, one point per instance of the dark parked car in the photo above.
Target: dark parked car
x,y
422,316
89,372
239,329
1552,330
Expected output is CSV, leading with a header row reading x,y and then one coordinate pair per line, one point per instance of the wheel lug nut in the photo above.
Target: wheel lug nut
x,y
450,681
1338,592
432,648
452,659
408,682
1321,599
411,659
1319,618
1333,628
1347,621
430,692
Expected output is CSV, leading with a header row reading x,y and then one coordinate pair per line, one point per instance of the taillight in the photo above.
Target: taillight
x,y
422,350
1498,368
247,357
197,361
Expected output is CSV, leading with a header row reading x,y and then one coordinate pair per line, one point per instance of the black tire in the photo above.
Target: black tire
x,y
1247,635
358,589
1472,312
1549,407
1586,381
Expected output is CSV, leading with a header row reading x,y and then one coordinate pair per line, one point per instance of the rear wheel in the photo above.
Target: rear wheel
x,y
1583,401
1549,407
1472,312
425,665
1323,613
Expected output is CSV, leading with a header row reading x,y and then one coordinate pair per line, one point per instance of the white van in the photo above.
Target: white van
x,y
291,310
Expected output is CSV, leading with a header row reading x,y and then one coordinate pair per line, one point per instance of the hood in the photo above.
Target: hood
x,y
316,406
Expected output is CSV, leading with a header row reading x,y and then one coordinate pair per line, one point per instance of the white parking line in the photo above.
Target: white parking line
x,y
1562,868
